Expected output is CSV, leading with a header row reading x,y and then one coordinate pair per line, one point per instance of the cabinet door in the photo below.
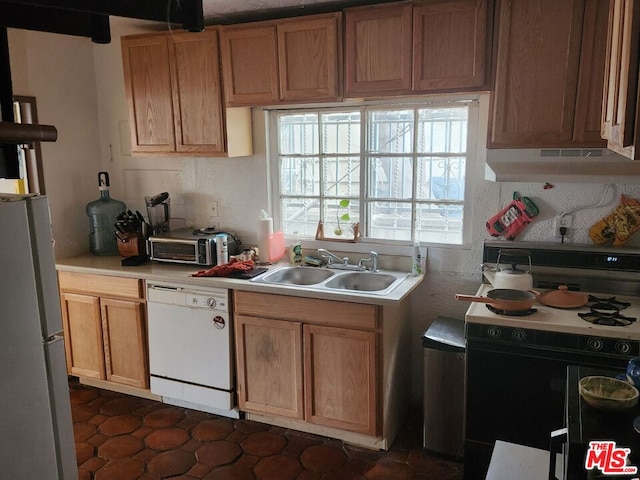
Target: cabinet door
x,y
308,59
250,65
619,125
588,112
378,49
125,342
197,95
83,335
269,362
147,80
534,95
341,378
449,44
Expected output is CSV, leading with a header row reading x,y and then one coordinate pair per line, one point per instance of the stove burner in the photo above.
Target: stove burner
x,y
611,301
513,313
614,319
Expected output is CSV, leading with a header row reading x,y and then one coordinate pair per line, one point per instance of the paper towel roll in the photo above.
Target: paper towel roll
x,y
265,229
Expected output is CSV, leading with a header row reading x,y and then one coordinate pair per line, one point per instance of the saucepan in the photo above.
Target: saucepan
x,y
507,299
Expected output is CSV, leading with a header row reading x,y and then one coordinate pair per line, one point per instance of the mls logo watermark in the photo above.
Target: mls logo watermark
x,y
609,459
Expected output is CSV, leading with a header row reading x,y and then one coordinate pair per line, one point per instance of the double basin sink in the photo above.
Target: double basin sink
x,y
315,278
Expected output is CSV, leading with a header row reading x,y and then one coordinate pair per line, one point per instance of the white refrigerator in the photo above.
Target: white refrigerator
x,y
36,429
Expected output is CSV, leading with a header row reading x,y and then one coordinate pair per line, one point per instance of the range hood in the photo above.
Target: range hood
x,y
566,165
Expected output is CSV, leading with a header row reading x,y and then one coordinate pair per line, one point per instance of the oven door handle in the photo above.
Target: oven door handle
x,y
558,439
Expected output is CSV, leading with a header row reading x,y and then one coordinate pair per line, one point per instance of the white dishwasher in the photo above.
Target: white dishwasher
x,y
191,347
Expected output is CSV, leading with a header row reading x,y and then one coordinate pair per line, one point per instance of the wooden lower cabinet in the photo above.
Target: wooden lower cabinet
x,y
104,327
316,362
340,378
269,362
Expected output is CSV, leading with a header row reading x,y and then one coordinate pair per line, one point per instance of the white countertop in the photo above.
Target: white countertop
x,y
558,319
182,274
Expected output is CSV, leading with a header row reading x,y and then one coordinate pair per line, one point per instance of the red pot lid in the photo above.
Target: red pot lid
x,y
563,298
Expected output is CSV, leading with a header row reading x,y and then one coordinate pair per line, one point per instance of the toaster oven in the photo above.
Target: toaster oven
x,y
189,246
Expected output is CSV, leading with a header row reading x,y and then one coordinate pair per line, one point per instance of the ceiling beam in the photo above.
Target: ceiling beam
x,y
187,12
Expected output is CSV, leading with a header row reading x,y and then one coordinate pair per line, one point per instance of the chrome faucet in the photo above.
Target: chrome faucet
x,y
373,258
332,256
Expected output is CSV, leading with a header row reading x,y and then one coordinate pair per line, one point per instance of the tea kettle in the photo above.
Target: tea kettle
x,y
513,277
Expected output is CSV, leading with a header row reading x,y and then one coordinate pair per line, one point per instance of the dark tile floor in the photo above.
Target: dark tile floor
x,y
121,437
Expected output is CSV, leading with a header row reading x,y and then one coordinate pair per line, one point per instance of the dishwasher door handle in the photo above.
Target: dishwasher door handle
x,y
166,289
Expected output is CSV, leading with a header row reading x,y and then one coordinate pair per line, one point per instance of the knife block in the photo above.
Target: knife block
x,y
134,246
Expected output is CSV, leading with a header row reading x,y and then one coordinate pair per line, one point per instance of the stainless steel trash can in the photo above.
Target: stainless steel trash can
x,y
444,387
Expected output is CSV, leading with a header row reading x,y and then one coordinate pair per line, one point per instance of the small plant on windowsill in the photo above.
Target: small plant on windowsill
x,y
344,217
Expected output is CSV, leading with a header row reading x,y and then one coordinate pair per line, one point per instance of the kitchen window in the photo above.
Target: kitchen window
x,y
397,169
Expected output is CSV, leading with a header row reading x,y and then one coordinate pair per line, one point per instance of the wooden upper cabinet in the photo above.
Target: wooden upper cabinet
x,y
289,60
378,49
620,123
249,64
173,87
450,44
196,90
548,72
308,58
148,88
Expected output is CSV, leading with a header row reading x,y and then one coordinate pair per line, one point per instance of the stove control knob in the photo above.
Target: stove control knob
x,y
519,335
623,347
211,302
595,344
494,332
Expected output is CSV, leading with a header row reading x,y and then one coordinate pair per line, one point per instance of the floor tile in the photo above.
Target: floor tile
x,y
120,438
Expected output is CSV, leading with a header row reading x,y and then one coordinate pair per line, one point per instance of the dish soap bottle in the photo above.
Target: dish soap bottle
x,y
103,215
416,264
295,252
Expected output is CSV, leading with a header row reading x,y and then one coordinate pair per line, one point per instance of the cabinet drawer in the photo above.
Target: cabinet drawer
x,y
102,285
307,310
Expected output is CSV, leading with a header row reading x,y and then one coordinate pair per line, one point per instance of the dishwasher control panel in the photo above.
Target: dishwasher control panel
x,y
188,296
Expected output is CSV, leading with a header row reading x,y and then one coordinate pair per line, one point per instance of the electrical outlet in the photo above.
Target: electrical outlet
x,y
562,221
212,209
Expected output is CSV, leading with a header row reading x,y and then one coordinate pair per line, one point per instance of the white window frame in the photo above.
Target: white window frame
x,y
472,170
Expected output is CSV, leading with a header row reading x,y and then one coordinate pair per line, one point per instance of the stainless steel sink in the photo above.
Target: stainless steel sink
x,y
363,281
297,276
324,279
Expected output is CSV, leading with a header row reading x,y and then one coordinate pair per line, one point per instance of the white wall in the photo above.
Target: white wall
x,y
90,112
58,71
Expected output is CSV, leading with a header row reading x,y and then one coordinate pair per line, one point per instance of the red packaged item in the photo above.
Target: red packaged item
x,y
512,219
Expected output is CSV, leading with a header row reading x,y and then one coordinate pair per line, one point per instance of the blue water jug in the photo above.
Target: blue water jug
x,y
103,215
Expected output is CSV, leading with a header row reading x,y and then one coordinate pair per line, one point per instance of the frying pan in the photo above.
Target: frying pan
x,y
506,299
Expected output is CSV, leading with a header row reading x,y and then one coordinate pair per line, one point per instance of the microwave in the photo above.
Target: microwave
x,y
189,246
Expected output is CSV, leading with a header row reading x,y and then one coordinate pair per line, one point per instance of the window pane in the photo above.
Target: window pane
x,y
390,131
341,176
300,215
299,134
341,132
442,130
299,176
390,220
439,223
390,177
440,178
338,216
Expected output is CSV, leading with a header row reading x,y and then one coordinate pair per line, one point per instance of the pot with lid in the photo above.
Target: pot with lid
x,y
512,277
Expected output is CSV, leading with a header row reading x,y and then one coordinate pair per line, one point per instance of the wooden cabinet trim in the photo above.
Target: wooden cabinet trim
x,y
101,285
308,310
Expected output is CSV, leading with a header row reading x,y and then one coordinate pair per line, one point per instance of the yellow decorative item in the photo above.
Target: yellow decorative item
x,y
618,226
605,393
